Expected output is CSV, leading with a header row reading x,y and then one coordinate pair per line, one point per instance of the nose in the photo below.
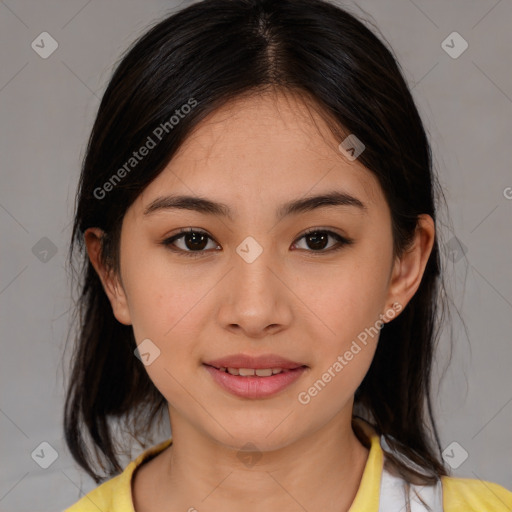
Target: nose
x,y
255,300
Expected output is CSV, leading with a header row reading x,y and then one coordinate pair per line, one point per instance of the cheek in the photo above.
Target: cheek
x,y
345,297
168,310
346,332
331,388
164,299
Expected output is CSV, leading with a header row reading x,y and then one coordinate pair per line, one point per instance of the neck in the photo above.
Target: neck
x,y
321,471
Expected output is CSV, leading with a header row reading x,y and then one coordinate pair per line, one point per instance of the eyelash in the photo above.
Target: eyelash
x,y
342,241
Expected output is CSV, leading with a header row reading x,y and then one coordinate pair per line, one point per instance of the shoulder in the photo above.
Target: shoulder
x,y
115,495
472,495
99,498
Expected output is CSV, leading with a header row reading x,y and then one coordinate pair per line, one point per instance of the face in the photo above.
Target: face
x,y
249,281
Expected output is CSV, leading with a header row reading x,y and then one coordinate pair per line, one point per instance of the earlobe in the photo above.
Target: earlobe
x,y
409,268
111,285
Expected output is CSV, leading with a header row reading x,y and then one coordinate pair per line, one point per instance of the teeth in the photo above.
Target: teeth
x,y
264,372
250,372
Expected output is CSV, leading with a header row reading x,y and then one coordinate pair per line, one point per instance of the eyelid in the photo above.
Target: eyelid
x,y
342,240
322,230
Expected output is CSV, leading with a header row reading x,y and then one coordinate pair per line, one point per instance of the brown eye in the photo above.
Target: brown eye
x,y
317,240
190,241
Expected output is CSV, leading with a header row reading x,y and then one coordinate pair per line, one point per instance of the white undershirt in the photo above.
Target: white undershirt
x,y
393,497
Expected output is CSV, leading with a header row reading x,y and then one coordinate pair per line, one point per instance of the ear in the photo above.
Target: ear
x,y
409,268
111,282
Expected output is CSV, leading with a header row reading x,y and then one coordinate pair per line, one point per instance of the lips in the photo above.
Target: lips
x,y
254,377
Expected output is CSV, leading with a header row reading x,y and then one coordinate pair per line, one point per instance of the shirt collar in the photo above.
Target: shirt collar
x,y
368,495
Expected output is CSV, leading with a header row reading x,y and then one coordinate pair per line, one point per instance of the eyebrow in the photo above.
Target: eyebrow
x,y
203,205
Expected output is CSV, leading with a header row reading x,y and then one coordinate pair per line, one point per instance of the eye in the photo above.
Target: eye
x,y
318,240
194,242
191,241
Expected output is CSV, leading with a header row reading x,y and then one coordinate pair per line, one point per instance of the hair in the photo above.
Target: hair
x,y
208,54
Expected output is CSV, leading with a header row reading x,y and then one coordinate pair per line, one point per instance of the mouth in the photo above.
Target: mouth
x,y
247,362
251,372
254,377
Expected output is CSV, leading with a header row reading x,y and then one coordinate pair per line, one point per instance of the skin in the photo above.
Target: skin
x,y
255,154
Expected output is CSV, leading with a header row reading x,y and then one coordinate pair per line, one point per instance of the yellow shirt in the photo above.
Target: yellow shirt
x,y
458,494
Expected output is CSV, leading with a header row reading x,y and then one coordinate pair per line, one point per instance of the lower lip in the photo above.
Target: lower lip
x,y
255,387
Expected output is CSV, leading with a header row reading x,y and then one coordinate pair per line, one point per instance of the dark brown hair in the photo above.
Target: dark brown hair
x,y
212,52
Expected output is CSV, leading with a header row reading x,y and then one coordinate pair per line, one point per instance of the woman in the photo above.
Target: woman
x,y
258,208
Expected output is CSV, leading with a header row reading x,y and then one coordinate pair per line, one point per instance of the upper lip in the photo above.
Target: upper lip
x,y
258,362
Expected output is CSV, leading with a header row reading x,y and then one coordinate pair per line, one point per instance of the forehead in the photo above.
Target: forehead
x,y
282,124
269,147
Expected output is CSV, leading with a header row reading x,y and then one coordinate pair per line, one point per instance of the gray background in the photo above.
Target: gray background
x,y
47,107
